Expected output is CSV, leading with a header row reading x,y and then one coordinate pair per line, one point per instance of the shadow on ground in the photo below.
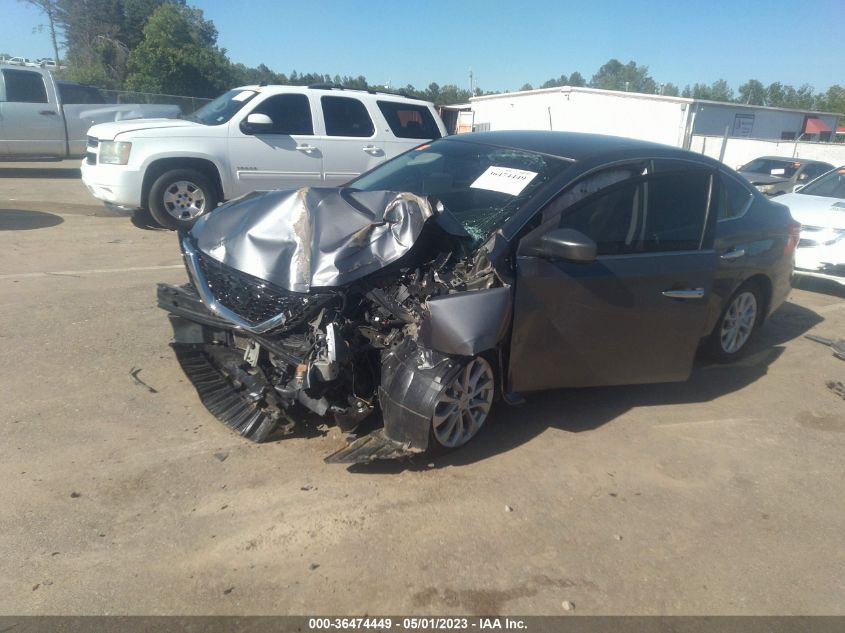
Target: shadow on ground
x,y
583,410
20,220
142,219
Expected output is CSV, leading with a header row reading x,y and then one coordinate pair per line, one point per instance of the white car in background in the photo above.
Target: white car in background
x,y
820,208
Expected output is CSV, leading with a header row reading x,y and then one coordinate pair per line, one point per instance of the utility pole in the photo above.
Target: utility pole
x,y
470,81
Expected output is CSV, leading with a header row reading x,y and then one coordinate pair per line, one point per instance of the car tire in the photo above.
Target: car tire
x,y
736,325
178,198
462,406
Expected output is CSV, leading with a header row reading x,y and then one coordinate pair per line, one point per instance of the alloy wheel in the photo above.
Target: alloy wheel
x,y
738,322
463,406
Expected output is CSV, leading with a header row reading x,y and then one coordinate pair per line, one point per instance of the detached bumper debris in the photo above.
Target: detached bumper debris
x,y
838,346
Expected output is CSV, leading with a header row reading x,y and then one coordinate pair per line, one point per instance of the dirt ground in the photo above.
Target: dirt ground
x,y
722,495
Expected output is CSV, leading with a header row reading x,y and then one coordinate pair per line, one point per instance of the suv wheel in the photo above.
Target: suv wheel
x,y
178,198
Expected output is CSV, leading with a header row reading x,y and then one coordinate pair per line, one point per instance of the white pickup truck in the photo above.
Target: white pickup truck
x,y
41,119
251,138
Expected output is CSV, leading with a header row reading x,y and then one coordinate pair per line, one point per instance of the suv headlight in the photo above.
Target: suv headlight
x,y
114,152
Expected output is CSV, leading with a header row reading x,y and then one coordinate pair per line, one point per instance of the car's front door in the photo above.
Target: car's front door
x,y
636,313
287,155
32,122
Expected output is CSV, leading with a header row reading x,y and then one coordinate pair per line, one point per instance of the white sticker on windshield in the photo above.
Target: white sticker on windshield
x,y
504,180
243,96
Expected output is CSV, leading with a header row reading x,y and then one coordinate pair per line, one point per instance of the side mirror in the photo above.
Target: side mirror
x,y
256,123
797,188
567,244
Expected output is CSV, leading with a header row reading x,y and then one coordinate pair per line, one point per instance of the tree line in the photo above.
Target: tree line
x,y
167,46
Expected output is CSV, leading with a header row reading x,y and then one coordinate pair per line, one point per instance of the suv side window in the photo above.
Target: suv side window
x,y
733,198
23,86
662,212
290,113
409,121
345,116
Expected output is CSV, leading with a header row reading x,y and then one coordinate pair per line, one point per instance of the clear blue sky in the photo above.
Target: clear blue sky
x,y
508,44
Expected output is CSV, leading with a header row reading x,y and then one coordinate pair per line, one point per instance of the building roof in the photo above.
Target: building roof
x,y
645,96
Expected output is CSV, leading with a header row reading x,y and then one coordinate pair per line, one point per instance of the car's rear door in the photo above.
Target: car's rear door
x,y
635,314
352,143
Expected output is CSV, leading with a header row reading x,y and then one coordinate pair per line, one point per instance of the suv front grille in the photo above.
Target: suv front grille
x,y
91,150
254,299
91,158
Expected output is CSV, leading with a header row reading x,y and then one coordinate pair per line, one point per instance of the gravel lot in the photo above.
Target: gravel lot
x,y
722,495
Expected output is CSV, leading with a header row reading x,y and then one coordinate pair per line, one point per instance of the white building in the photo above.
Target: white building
x,y
669,120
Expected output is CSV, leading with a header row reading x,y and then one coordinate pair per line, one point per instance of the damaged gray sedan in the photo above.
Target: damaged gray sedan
x,y
477,267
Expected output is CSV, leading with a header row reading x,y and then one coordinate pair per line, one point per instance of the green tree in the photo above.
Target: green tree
x,y
179,55
831,101
617,76
752,92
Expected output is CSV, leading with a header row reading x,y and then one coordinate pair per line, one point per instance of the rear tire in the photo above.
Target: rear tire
x,y
736,325
178,198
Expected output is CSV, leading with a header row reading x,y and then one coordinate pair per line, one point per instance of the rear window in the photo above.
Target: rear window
x,y
409,121
74,93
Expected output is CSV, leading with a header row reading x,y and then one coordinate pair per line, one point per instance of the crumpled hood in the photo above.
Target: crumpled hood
x,y
815,210
323,237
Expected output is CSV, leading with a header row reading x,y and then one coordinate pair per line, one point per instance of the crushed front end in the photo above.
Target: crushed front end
x,y
265,358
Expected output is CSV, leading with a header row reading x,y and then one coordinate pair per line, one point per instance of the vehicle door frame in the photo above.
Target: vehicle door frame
x,y
704,256
47,136
264,176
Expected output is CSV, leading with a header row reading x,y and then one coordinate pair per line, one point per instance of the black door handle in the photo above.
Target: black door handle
x,y
46,112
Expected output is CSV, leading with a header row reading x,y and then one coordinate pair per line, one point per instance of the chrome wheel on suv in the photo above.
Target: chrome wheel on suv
x,y
178,198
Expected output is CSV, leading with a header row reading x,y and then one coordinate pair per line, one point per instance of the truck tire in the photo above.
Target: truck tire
x,y
179,197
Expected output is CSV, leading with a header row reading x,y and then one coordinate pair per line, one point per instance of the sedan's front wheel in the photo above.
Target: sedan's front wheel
x,y
463,405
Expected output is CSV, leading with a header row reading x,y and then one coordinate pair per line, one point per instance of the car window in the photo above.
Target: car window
x,y
291,114
409,121
814,171
831,185
73,93
23,86
734,198
655,213
345,116
771,166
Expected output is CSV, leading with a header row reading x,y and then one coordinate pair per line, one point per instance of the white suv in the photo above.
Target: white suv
x,y
251,138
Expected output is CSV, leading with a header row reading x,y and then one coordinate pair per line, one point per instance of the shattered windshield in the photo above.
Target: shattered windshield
x,y
482,186
771,167
222,108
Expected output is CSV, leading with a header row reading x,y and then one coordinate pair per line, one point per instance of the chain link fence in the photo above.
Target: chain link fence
x,y
186,104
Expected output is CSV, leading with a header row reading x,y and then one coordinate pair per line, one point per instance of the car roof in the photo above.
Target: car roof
x,y
803,161
574,146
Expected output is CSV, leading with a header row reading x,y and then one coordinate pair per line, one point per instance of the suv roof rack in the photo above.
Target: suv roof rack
x,y
372,91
